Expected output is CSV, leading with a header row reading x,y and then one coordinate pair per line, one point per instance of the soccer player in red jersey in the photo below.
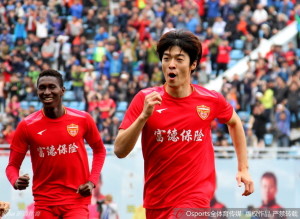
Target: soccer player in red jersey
x,y
176,136
55,135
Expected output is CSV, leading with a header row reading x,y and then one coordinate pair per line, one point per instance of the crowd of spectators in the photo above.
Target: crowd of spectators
x,y
106,53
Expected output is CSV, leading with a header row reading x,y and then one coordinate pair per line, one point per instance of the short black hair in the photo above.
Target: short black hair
x,y
270,175
186,40
52,73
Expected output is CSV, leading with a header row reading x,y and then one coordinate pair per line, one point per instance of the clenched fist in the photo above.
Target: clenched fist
x,y
22,182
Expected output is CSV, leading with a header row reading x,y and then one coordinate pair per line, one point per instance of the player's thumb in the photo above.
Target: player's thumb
x,y
239,180
27,176
82,187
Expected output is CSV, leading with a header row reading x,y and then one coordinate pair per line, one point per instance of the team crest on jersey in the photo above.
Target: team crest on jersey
x,y
203,111
73,129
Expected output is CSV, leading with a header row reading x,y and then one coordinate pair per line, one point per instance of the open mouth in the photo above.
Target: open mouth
x,y
172,75
48,99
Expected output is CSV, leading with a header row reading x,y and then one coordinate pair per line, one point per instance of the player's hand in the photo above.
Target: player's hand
x,y
150,101
22,182
4,208
86,189
244,177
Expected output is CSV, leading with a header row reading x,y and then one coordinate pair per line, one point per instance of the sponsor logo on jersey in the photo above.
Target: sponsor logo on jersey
x,y
73,129
203,111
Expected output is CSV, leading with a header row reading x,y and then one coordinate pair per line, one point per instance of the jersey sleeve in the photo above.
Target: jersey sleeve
x,y
225,110
13,167
92,134
20,140
99,153
134,110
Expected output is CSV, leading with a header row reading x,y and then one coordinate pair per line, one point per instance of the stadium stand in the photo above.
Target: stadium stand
x,y
109,46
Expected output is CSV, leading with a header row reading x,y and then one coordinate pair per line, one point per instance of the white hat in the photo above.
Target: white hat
x,y
63,38
124,76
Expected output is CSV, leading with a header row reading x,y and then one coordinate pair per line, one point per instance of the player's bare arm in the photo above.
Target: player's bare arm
x,y
22,182
237,134
126,139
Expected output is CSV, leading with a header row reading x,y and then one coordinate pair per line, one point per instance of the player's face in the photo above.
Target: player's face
x,y
176,67
49,91
268,189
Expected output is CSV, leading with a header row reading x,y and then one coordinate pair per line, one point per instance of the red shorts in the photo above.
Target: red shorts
x,y
72,211
161,213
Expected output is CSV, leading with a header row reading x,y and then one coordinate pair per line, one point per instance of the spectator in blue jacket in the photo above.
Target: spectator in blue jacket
x,y
101,35
7,37
20,30
76,9
212,11
282,120
285,7
115,63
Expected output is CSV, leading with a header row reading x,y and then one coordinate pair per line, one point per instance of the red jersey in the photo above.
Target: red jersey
x,y
274,208
271,205
58,154
177,147
205,51
290,57
223,54
106,105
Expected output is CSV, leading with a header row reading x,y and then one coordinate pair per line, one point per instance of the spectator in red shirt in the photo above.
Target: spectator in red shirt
x,y
107,106
290,55
14,105
223,56
242,26
8,134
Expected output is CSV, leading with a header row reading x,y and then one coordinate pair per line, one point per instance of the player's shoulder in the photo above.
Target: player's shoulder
x,y
205,92
277,206
159,89
33,117
76,113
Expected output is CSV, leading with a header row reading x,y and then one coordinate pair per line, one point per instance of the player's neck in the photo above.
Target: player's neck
x,y
179,92
54,113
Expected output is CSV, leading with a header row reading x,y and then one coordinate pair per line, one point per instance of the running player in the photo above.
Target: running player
x,y
175,121
55,135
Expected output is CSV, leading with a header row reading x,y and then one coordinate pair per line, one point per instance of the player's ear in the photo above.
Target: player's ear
x,y
194,65
63,89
